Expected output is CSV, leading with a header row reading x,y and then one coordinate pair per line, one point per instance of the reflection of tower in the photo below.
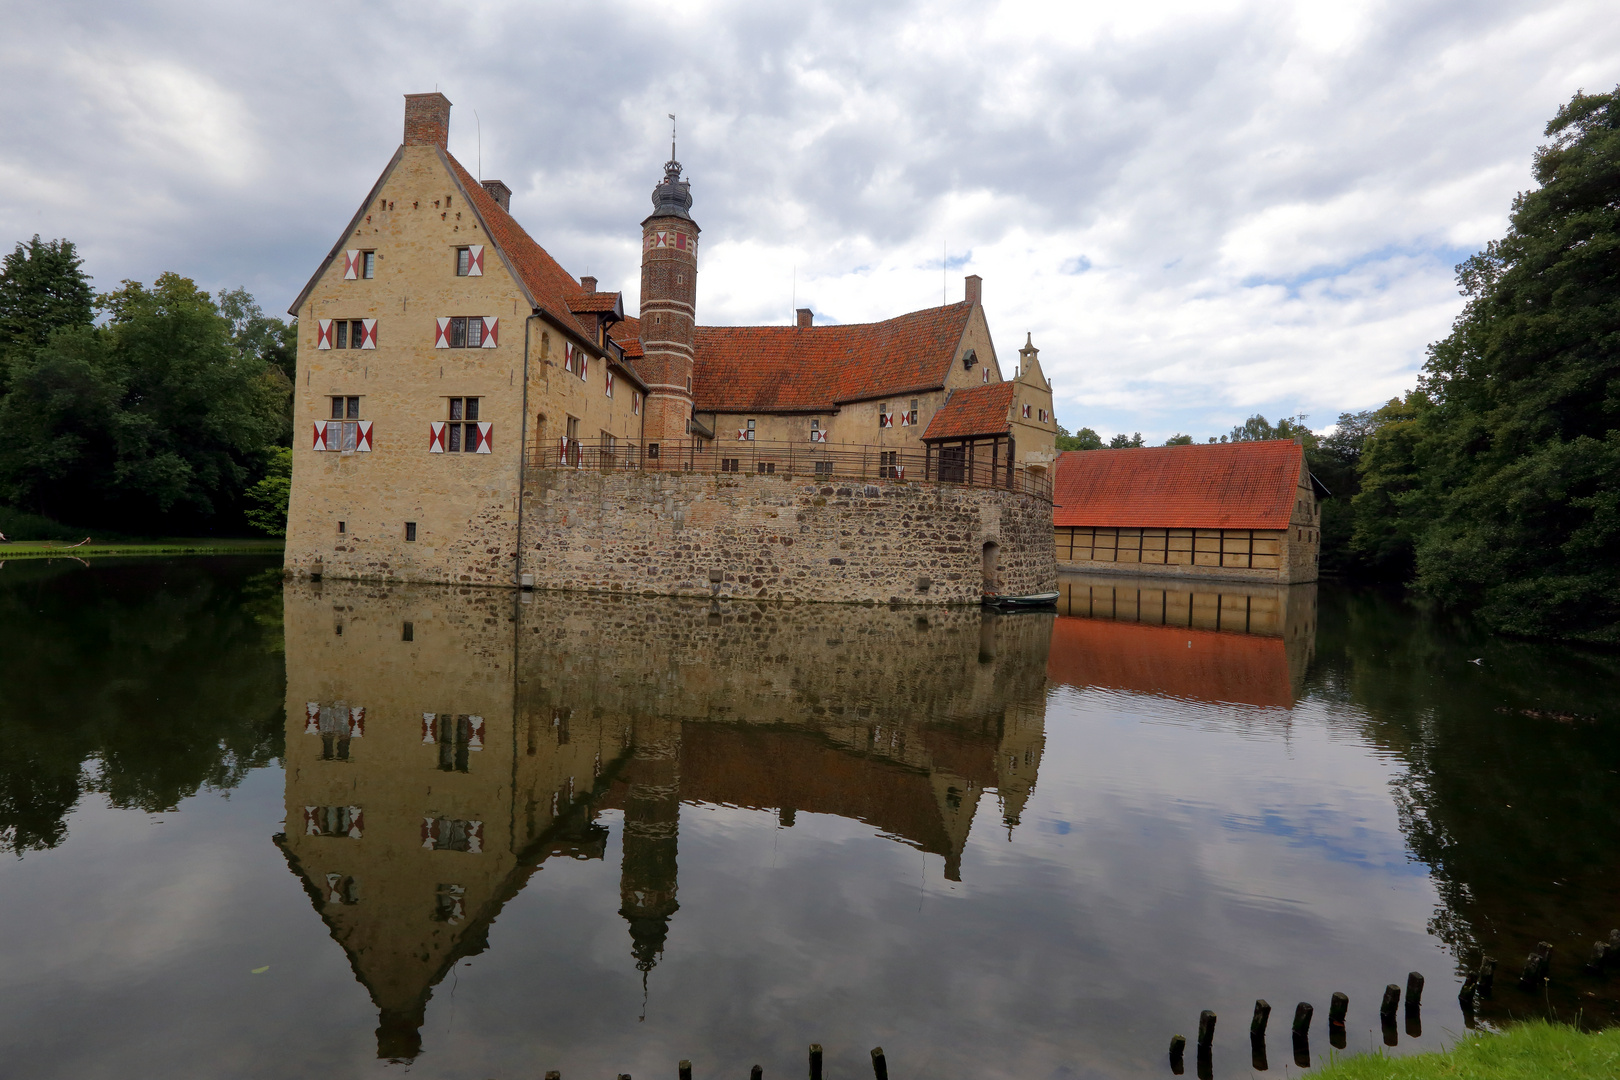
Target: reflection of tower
x,y
652,811
668,305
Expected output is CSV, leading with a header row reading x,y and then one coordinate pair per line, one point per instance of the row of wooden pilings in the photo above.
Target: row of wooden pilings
x,y
1478,984
880,1067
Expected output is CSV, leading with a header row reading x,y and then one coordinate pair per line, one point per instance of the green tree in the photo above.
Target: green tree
x,y
267,500
1121,441
1518,508
1335,460
1084,439
1179,440
1257,428
266,338
42,289
157,421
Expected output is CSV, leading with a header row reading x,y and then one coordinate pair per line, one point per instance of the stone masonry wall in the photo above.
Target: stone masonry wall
x,y
783,538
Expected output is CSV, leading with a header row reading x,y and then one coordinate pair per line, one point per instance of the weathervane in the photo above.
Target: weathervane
x,y
672,136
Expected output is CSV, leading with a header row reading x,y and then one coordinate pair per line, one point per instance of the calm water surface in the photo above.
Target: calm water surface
x,y
347,830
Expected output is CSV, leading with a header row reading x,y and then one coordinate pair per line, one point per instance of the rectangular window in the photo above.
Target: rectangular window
x,y
824,468
652,451
751,431
911,415
462,437
886,463
408,632
463,261
728,464
368,264
475,332
343,527
410,532
343,433
342,328
458,332
767,468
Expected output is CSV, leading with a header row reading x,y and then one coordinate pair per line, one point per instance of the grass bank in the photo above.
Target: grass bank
x,y
1533,1050
55,549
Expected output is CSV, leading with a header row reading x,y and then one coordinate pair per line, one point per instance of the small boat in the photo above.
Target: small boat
x,y
1031,600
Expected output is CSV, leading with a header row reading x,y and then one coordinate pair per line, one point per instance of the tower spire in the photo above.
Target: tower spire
x,y
672,137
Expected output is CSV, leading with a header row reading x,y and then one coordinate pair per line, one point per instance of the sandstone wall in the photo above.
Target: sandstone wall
x,y
765,537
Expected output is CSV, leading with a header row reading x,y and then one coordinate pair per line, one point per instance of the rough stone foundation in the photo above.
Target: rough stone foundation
x,y
763,537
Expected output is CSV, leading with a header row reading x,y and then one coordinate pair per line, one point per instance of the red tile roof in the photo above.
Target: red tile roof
x,y
976,410
627,332
1244,485
816,368
552,287
594,302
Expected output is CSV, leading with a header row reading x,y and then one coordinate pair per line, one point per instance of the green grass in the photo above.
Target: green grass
x,y
182,546
1533,1050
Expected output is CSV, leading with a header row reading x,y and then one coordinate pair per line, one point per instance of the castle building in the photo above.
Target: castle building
x,y
460,369
1244,511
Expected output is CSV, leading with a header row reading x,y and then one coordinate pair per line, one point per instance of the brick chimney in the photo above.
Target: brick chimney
x,y
975,289
500,193
427,120
589,283
805,318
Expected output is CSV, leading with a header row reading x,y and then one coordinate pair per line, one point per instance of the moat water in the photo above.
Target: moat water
x,y
258,830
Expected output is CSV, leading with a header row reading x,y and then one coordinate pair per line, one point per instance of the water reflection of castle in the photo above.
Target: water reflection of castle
x,y
1215,641
443,744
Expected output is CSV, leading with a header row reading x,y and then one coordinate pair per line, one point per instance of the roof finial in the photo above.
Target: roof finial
x,y
672,156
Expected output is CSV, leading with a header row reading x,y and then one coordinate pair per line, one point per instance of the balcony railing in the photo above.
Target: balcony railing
x,y
976,465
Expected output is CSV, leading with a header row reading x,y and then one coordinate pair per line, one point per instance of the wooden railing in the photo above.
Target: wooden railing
x,y
971,466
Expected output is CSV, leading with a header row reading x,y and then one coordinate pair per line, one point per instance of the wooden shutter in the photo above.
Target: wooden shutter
x,y
436,437
430,727
491,332
310,828
368,333
430,832
357,823
357,722
610,384
351,265
986,375
475,260
362,442
568,356
475,837
886,420
320,435
905,418
475,733
584,364
442,340
323,333
485,437
742,434
899,472
312,718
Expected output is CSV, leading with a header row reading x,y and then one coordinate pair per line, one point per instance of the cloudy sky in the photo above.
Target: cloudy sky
x,y
1200,210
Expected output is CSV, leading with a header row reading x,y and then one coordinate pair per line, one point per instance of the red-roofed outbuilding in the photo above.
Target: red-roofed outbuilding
x,y
1240,511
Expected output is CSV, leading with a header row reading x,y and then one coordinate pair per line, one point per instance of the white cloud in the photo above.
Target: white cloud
x,y
1199,209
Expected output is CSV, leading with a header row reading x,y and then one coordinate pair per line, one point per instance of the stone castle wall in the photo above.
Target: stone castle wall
x,y
781,538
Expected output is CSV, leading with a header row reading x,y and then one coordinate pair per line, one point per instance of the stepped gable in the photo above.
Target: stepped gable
x,y
817,368
1242,485
972,412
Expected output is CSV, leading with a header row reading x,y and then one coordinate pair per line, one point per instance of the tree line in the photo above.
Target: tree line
x,y
1494,484
144,410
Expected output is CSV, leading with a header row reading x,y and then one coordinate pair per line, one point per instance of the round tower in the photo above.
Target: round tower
x,y
669,239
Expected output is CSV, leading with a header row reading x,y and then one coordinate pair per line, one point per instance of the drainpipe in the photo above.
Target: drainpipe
x,y
523,453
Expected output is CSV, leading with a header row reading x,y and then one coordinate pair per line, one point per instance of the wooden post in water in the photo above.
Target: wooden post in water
x,y
1262,1015
880,1065
756,1073
1536,966
815,1061
1302,1049
553,1075
1597,959
1337,1008
1487,975
1178,1051
1257,1051
1465,996
1391,1002
684,1069
1206,1028
1414,1004
1302,1018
